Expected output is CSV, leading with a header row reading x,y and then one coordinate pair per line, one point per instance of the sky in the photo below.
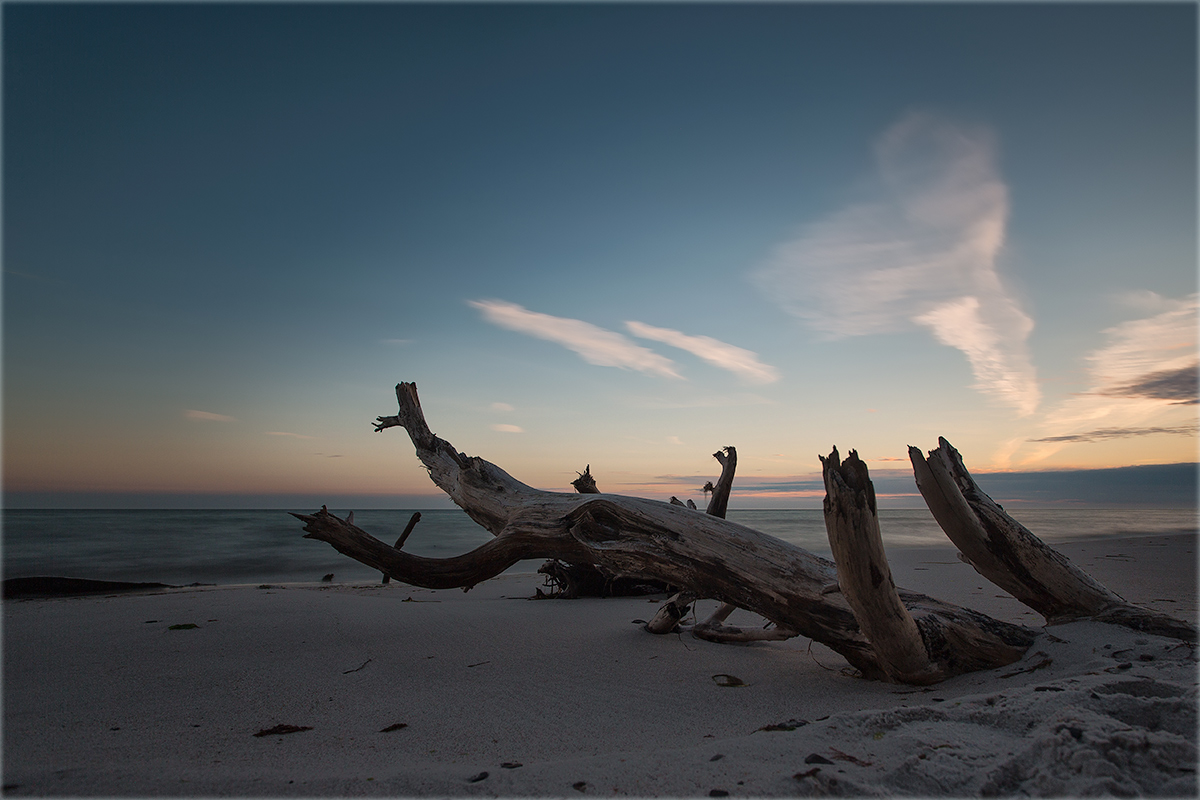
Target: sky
x,y
616,235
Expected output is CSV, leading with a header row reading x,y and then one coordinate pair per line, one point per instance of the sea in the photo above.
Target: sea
x,y
268,546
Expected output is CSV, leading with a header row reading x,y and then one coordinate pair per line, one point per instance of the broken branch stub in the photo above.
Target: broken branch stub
x,y
585,483
863,572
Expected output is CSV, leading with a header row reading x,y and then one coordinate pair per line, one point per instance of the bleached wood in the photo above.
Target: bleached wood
x,y
710,556
1005,552
852,522
673,609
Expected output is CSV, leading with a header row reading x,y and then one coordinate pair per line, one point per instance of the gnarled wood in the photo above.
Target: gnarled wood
x,y
1010,556
718,504
667,618
709,556
671,612
591,580
585,483
863,574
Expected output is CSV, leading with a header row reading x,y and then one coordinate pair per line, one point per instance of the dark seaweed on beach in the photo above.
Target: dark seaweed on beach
x,y
279,730
790,725
395,727
186,626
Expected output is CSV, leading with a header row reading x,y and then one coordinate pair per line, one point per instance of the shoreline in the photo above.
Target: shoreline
x,y
398,690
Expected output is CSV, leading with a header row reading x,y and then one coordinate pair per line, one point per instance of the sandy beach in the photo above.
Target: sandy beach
x,y
397,690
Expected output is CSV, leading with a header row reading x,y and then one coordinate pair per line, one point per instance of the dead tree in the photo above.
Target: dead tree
x,y
706,554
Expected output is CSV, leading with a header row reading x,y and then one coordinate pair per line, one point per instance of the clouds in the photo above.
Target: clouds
x,y
1101,434
206,416
1179,385
593,344
1146,371
737,360
1152,359
606,348
922,252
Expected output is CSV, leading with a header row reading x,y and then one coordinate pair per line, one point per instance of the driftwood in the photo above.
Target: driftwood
x,y
714,629
408,529
570,581
864,577
1007,554
703,553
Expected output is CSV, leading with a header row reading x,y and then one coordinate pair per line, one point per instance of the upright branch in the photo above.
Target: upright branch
x,y
863,574
718,504
1007,554
408,529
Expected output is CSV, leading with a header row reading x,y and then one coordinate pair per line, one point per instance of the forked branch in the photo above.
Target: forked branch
x,y
1007,554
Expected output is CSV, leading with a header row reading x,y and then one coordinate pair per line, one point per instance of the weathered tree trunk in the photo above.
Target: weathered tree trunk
x,y
1006,553
708,555
863,574
574,580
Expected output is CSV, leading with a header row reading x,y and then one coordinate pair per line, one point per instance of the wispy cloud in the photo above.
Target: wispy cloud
x,y
1145,373
1153,358
395,342
504,428
206,416
502,407
1100,434
741,362
922,252
286,433
593,344
1177,385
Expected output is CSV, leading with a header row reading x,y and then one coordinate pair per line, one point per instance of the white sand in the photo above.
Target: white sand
x,y
102,698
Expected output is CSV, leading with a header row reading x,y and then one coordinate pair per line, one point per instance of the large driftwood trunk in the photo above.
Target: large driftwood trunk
x,y
710,556
885,632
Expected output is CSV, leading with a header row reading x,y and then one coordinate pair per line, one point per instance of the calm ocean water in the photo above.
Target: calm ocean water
x,y
232,547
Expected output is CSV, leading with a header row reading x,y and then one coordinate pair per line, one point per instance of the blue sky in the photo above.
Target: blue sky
x,y
621,235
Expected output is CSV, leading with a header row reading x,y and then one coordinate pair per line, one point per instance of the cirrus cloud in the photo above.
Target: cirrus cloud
x,y
922,252
1146,373
592,343
206,416
741,362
